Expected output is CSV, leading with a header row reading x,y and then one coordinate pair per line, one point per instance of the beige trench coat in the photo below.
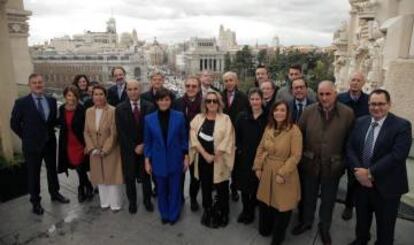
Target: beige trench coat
x,y
106,170
279,155
224,140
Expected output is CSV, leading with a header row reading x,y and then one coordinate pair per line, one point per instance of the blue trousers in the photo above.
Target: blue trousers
x,y
169,196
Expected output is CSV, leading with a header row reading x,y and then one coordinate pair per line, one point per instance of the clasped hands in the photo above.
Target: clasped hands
x,y
362,175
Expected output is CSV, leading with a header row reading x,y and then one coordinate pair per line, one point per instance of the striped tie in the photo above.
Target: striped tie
x,y
368,146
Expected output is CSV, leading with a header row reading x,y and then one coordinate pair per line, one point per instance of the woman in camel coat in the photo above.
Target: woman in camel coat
x,y
102,146
275,165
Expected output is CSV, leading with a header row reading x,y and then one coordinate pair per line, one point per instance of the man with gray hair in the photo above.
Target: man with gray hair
x,y
325,126
157,80
357,100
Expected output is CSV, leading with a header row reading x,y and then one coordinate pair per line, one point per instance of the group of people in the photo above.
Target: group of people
x,y
278,147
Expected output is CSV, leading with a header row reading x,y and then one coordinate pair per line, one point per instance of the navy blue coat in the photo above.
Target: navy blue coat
x,y
360,107
29,125
113,98
166,157
391,150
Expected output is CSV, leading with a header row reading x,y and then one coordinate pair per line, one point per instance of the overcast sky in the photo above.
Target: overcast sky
x,y
294,21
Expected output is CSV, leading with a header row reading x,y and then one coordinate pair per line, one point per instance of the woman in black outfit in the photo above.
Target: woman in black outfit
x,y
72,143
250,126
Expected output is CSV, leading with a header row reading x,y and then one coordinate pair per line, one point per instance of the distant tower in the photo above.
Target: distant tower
x,y
134,36
111,25
276,41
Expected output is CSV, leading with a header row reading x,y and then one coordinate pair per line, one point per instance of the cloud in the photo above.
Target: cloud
x,y
294,21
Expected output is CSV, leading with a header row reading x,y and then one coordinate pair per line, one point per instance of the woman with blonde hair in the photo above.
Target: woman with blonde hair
x,y
275,165
212,151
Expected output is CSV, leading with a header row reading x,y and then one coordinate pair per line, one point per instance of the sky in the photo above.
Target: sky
x,y
295,22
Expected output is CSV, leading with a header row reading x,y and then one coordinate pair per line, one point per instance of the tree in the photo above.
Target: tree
x,y
262,57
227,62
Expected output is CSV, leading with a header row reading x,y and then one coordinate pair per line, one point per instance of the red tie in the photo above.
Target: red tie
x,y
136,112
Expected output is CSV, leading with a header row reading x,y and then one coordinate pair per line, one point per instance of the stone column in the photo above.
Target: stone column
x,y
8,84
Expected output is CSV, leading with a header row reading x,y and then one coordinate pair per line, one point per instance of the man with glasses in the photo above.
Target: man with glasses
x,y
325,126
190,105
357,100
377,150
300,98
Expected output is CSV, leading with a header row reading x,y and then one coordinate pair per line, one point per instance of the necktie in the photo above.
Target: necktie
x,y
300,109
120,92
40,108
136,112
368,146
229,99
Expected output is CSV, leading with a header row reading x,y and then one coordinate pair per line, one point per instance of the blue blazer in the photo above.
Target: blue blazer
x,y
29,125
390,153
166,157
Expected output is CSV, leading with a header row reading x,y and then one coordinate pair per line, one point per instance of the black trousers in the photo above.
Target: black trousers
x,y
206,174
82,172
132,178
301,173
272,221
249,202
329,189
368,201
194,184
34,163
350,190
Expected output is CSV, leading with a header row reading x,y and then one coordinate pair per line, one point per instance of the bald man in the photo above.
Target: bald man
x,y
129,118
357,100
325,126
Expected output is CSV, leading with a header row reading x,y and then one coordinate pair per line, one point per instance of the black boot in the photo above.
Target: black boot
x,y
89,191
206,217
81,194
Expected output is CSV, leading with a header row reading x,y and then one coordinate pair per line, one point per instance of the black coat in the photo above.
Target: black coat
x,y
294,109
31,128
360,107
240,103
249,132
269,104
131,134
78,125
179,105
150,97
113,95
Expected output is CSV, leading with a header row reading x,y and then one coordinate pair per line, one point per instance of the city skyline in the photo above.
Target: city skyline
x,y
295,22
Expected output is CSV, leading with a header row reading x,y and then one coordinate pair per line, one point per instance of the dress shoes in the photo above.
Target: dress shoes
x,y
59,198
300,228
148,206
347,214
37,209
325,237
132,208
242,217
358,242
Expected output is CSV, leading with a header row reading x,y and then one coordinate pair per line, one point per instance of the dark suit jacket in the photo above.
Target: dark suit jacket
x,y
166,157
390,153
113,95
78,124
130,133
32,129
294,109
240,103
360,107
150,97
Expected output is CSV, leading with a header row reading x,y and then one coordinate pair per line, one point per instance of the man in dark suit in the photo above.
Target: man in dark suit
x,y
129,117
269,90
157,81
117,93
356,99
206,79
33,119
296,106
377,150
300,98
235,102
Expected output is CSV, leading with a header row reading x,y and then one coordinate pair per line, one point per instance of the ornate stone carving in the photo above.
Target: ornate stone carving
x,y
17,22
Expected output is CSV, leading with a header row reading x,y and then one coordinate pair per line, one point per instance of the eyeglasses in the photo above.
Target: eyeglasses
x,y
379,104
209,101
191,86
299,87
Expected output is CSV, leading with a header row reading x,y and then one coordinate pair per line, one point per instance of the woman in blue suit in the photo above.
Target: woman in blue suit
x,y
166,154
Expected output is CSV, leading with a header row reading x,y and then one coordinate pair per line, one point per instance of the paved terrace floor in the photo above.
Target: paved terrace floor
x,y
86,223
